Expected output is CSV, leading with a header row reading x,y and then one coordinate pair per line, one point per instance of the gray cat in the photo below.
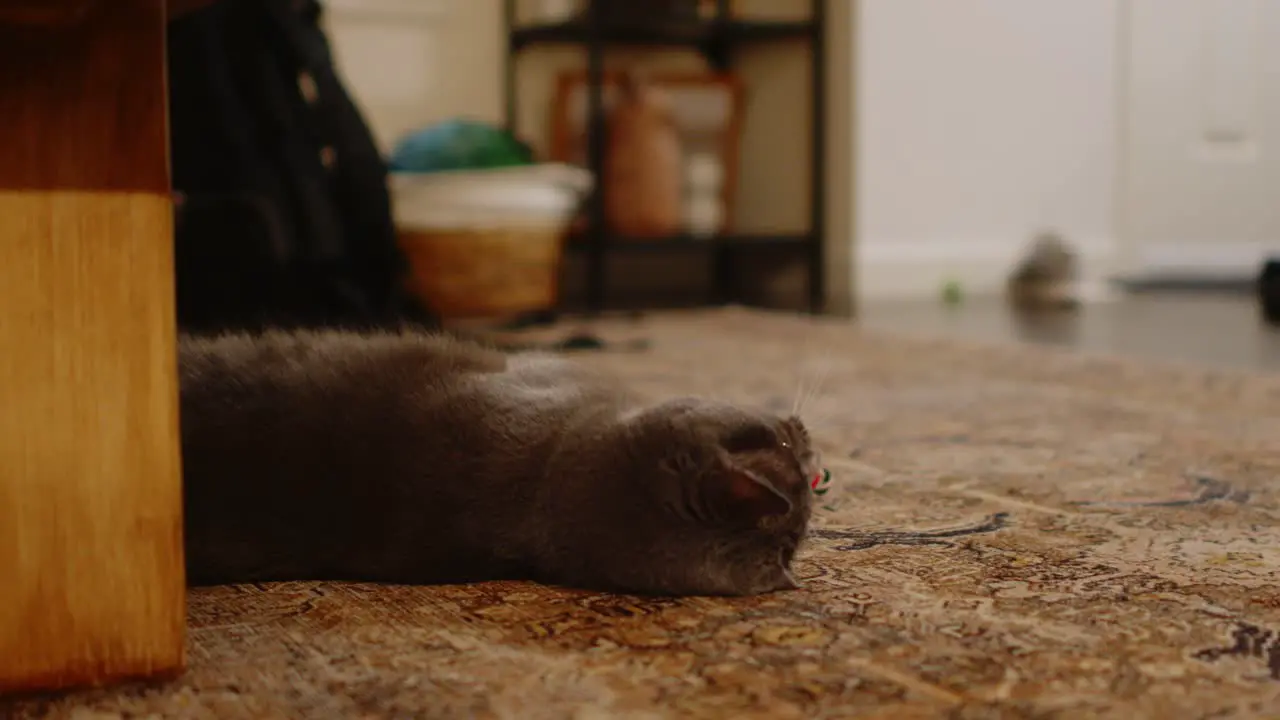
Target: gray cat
x,y
411,458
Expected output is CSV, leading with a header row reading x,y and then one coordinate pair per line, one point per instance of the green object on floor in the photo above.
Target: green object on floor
x,y
952,293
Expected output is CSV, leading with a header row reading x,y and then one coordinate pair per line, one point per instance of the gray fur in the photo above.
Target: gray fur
x,y
422,459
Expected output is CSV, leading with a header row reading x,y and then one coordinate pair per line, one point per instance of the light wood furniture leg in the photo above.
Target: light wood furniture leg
x,y
91,567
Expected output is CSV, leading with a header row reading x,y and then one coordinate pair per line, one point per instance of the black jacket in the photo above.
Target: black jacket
x,y
283,215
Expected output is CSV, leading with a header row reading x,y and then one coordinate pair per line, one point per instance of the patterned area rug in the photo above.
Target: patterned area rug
x,y
1011,532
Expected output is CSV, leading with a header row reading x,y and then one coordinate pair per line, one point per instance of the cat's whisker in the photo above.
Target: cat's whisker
x,y
797,403
795,399
803,388
834,427
826,418
826,421
816,387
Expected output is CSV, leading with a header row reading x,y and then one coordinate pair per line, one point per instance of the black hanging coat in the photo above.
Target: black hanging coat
x,y
283,214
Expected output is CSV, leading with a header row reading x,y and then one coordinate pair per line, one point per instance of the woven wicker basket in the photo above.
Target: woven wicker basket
x,y
485,272
487,244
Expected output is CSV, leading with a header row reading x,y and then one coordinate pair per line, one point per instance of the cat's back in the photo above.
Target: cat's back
x,y
298,398
285,359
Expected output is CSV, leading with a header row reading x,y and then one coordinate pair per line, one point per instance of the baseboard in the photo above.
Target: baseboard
x,y
1205,262
888,270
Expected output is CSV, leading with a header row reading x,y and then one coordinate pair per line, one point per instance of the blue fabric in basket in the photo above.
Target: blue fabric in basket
x,y
459,145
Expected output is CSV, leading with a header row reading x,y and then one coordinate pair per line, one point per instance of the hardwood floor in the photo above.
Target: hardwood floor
x,y
1215,329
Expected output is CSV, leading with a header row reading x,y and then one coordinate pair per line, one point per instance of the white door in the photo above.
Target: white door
x,y
1199,190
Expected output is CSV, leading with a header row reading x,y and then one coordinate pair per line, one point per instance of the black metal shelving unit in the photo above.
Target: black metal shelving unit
x,y
718,39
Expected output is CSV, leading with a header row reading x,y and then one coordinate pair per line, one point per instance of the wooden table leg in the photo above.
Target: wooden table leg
x,y
91,568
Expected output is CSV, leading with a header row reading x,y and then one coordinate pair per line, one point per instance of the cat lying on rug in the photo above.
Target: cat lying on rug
x,y
412,458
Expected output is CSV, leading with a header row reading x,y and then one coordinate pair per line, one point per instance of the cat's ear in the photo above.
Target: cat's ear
x,y
742,496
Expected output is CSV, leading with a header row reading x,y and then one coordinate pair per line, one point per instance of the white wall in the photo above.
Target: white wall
x,y
409,63
980,122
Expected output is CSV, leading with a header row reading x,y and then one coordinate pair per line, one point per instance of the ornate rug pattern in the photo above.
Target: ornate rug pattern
x,y
1012,532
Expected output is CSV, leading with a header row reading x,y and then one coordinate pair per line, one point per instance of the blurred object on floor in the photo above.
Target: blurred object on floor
x,y
574,341
459,145
1202,328
552,332
643,173
487,243
952,293
1045,279
1269,291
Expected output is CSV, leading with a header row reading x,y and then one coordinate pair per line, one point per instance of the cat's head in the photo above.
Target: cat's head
x,y
737,485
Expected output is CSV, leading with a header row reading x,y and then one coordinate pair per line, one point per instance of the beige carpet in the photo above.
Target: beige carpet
x,y
1013,532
